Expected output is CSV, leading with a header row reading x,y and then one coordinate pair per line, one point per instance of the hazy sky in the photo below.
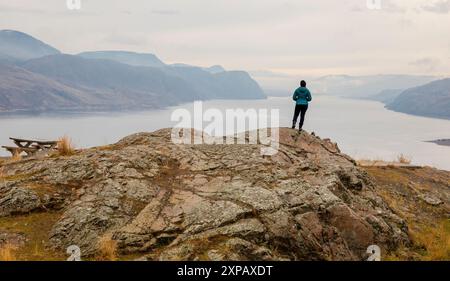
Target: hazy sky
x,y
301,37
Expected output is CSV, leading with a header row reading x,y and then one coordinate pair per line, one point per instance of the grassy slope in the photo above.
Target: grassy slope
x,y
429,226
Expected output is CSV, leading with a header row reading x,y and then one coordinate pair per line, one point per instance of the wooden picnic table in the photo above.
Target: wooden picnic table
x,y
30,147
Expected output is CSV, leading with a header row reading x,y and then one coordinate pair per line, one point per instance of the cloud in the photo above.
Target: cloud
x,y
439,7
269,74
129,39
166,12
426,64
11,9
406,23
288,36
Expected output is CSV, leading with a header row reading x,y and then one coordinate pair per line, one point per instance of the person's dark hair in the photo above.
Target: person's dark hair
x,y
303,83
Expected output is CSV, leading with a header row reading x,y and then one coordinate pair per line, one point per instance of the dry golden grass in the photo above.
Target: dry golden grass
x,y
429,226
7,252
107,249
432,243
402,159
2,177
65,146
395,203
36,227
436,241
370,162
16,157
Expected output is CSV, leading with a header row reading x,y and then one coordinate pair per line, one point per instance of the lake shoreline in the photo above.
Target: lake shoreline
x,y
363,129
98,111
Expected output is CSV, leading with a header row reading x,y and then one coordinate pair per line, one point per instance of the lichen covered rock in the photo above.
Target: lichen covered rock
x,y
212,202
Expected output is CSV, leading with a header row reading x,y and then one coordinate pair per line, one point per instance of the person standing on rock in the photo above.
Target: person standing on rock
x,y
302,97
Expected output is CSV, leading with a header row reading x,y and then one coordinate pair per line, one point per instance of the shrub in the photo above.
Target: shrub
x,y
65,146
16,157
7,252
403,159
107,249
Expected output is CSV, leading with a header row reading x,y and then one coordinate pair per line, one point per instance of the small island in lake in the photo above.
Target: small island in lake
x,y
444,142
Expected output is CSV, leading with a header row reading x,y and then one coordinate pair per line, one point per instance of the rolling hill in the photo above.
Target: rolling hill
x,y
363,87
131,58
37,77
431,100
146,86
24,90
17,46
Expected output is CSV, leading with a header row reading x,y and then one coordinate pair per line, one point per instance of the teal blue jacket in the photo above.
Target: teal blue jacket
x,y
302,96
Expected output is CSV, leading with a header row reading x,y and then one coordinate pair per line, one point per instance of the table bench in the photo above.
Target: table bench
x,y
30,147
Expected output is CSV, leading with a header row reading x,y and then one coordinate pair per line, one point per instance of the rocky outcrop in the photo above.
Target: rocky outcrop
x,y
16,200
165,201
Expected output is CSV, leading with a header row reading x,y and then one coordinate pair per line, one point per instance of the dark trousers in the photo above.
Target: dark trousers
x,y
300,109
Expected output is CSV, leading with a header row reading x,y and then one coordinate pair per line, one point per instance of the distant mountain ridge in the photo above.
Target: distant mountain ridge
x,y
386,96
42,79
363,87
17,45
23,90
131,58
123,84
431,100
348,86
212,69
416,95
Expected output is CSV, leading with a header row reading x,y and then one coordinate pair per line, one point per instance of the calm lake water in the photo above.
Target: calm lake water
x,y
362,129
